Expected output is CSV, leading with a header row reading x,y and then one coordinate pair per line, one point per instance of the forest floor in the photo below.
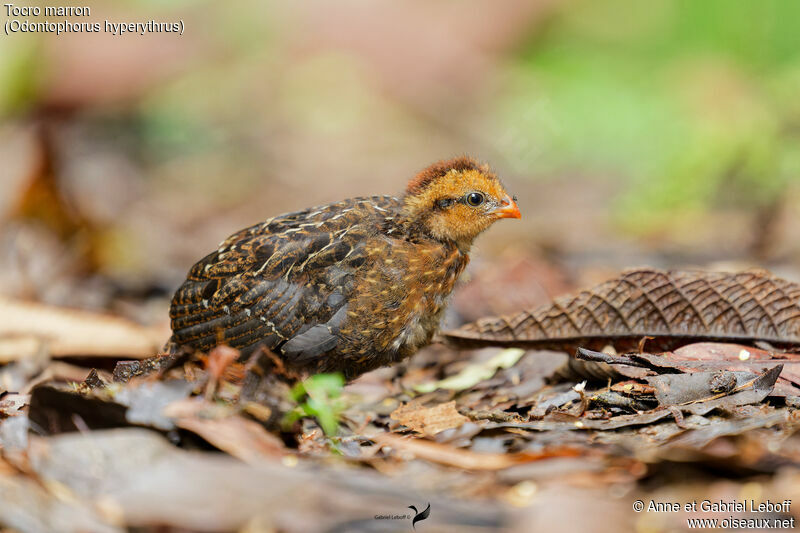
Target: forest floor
x,y
484,440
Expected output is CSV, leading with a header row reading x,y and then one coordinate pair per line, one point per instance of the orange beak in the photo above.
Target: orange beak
x,y
508,209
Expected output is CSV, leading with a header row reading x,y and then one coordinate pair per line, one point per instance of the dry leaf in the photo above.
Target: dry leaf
x,y
429,420
26,328
242,438
448,455
475,373
673,307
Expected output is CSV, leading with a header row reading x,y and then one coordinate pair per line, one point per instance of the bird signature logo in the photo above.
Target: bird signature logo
x,y
420,515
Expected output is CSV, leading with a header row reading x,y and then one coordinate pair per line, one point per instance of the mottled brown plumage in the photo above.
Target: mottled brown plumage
x,y
349,286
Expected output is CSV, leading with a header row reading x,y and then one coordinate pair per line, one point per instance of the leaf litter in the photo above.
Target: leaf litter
x,y
489,437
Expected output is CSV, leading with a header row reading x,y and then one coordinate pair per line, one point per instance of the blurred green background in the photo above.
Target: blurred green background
x,y
662,132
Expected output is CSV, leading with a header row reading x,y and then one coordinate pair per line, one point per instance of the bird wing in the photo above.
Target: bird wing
x,y
282,283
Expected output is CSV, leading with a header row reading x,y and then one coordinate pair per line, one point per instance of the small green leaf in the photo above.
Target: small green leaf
x,y
318,397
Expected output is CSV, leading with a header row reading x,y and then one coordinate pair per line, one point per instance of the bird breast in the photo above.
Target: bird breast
x,y
403,293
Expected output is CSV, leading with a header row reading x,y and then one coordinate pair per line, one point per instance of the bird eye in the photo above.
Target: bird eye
x,y
474,199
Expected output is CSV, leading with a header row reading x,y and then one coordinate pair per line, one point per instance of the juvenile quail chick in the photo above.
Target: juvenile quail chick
x,y
349,286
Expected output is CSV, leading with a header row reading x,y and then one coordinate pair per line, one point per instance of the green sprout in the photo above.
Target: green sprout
x,y
318,397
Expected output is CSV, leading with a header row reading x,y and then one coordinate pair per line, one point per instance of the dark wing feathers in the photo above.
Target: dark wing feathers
x,y
283,283
315,341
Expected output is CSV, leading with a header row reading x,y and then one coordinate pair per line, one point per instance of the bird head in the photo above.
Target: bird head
x,y
457,199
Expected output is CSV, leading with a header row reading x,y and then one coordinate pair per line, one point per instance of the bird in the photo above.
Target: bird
x,y
346,287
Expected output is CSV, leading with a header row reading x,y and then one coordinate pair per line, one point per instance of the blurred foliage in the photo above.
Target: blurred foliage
x,y
18,75
683,106
693,104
